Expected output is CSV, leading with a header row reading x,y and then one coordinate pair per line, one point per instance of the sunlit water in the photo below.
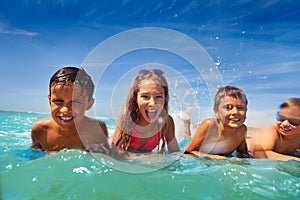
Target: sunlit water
x,y
74,174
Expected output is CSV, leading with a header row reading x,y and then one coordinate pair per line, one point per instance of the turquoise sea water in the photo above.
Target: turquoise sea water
x,y
74,174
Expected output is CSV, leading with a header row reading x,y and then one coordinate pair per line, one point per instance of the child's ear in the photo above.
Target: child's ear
x,y
216,113
49,99
90,103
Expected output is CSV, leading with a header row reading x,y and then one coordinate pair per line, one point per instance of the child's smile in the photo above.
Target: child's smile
x,y
65,119
234,119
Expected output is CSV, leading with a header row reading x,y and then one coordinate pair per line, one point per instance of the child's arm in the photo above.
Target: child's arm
x,y
34,142
274,155
199,136
242,148
98,142
205,155
118,130
170,136
104,128
116,135
36,134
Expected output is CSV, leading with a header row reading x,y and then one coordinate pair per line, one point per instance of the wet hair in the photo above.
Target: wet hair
x,y
229,91
73,75
290,102
130,116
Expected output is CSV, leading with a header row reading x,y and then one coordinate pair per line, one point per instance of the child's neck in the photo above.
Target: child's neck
x,y
226,131
67,131
144,128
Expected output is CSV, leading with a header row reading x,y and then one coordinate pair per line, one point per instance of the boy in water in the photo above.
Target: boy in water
x,y
280,141
70,95
221,136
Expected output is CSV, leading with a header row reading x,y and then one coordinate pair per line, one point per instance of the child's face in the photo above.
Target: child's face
x,y
288,120
150,99
68,105
231,112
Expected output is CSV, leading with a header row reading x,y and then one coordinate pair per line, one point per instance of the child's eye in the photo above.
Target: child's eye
x,y
241,108
76,102
228,107
57,101
145,96
159,96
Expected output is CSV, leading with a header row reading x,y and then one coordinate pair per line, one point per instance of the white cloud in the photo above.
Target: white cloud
x,y
18,32
8,30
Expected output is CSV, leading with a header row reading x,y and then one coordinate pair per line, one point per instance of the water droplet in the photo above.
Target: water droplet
x,y
183,189
81,170
9,166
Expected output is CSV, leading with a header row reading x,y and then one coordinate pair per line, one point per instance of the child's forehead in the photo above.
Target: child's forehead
x,y
68,88
227,98
150,82
64,86
292,111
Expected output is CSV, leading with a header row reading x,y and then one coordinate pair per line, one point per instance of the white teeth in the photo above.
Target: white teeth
x,y
285,129
234,119
66,118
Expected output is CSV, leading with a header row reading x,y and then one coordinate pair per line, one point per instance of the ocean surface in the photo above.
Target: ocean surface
x,y
75,174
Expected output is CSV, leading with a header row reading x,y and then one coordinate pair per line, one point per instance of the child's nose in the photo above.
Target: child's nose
x,y
151,101
286,123
66,108
234,110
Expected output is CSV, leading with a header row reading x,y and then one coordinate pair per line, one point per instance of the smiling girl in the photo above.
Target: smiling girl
x,y
221,136
145,123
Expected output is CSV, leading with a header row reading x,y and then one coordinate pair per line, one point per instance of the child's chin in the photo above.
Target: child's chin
x,y
152,120
235,125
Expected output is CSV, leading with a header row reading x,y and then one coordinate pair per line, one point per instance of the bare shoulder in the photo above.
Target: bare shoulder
x,y
264,137
205,125
169,128
268,131
103,127
92,122
101,123
41,125
170,119
208,122
39,132
243,129
170,124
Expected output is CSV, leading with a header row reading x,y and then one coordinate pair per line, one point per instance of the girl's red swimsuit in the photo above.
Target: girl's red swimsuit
x,y
149,146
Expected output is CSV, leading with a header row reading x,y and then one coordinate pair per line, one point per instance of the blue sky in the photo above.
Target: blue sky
x,y
255,45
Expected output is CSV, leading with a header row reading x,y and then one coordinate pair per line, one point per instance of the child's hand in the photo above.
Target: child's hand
x,y
235,159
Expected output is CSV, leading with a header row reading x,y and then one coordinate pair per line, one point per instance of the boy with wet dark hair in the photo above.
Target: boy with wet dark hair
x,y
70,95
